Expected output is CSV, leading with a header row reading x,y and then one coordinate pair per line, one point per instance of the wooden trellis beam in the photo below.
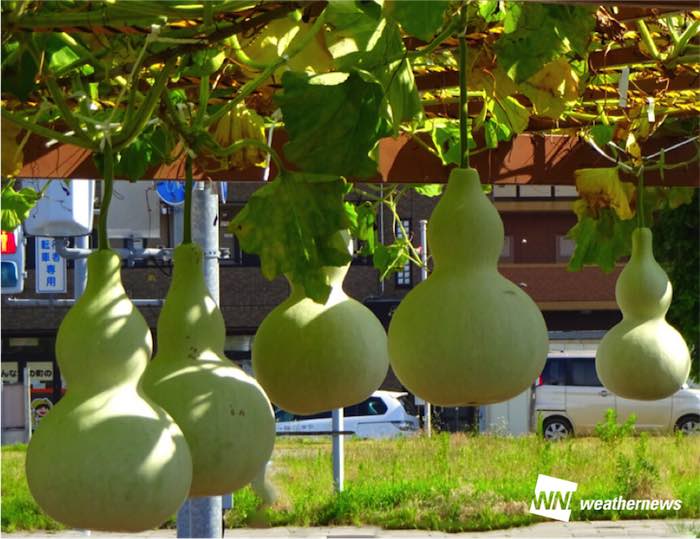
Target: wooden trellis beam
x,y
527,159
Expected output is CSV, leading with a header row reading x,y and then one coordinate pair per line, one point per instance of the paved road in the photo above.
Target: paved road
x,y
601,528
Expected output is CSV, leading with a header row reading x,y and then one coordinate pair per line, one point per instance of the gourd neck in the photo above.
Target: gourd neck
x,y
335,276
642,244
190,323
465,230
104,271
643,290
188,261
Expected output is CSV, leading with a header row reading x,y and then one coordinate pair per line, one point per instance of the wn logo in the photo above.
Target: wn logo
x,y
553,498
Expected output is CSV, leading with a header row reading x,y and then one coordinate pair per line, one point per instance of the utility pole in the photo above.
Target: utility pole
x,y
337,426
423,224
202,517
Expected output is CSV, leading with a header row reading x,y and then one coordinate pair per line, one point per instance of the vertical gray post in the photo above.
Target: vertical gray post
x,y
337,425
28,403
177,221
206,512
80,267
423,224
176,230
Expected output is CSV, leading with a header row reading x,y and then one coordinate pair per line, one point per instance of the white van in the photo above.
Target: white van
x,y
571,400
380,416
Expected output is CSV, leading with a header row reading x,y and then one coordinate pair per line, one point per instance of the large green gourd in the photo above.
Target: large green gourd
x,y
643,357
312,357
226,417
106,457
466,335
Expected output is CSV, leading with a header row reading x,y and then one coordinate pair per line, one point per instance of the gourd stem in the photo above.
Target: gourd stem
x,y
187,232
107,188
640,198
463,117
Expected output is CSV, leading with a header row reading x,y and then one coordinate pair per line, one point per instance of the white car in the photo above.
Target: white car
x,y
571,400
380,416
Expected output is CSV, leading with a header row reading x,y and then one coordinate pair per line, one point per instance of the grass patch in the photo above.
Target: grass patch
x,y
449,482
19,510
462,482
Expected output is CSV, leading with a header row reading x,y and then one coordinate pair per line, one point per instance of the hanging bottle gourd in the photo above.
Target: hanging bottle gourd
x,y
106,457
312,357
466,335
225,415
643,357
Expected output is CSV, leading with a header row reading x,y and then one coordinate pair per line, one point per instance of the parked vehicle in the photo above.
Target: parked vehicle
x,y
381,416
571,400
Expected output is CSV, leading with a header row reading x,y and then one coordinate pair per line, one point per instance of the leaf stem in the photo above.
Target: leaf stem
x,y
45,131
640,198
189,181
107,189
463,114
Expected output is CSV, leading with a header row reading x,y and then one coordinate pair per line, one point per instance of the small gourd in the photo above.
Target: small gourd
x,y
643,357
226,417
107,457
466,335
311,357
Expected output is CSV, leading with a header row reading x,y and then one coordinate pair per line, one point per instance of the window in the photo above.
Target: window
x,y
283,415
565,248
554,373
505,191
582,372
403,277
535,191
372,406
507,251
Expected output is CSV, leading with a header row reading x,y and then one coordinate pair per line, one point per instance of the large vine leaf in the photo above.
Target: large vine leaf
x,y
420,18
359,41
333,121
552,88
289,223
600,241
542,33
16,205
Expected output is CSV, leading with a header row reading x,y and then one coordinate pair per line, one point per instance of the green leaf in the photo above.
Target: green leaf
x,y
541,33
420,18
290,224
19,72
445,135
16,205
508,112
602,241
133,160
60,54
151,148
333,122
490,134
429,190
602,134
205,62
490,12
367,46
391,258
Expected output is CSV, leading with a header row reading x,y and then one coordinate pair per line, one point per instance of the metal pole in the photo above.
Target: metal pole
x,y
28,403
338,424
80,267
206,513
423,224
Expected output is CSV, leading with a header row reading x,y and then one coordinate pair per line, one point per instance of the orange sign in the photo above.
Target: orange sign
x,y
9,244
